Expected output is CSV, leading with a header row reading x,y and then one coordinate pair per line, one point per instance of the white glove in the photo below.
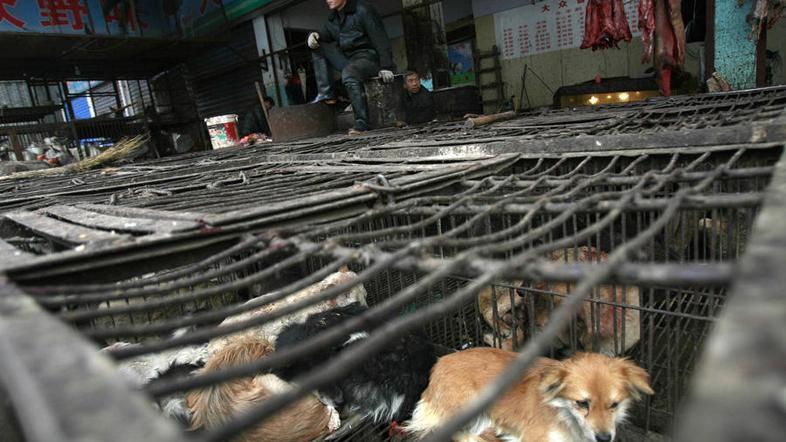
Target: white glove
x,y
313,40
386,75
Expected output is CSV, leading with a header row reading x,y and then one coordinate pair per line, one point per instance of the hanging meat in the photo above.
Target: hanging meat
x,y
764,15
592,31
675,18
647,28
669,41
621,21
605,24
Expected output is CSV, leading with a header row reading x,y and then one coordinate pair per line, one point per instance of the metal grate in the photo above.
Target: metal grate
x,y
684,121
441,246
672,224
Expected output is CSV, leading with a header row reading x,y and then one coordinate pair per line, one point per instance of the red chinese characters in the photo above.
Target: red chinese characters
x,y
524,43
564,30
63,13
542,36
507,49
5,15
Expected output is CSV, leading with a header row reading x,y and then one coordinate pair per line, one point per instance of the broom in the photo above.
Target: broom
x,y
125,148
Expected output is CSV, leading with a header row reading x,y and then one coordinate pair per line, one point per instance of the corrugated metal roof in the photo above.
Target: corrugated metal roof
x,y
14,94
231,90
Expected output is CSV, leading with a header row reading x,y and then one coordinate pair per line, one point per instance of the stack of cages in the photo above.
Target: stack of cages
x,y
484,262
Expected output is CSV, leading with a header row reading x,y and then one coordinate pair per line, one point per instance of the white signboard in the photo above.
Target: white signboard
x,y
550,25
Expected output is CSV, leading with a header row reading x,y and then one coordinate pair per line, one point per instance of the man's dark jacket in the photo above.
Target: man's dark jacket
x,y
419,107
359,34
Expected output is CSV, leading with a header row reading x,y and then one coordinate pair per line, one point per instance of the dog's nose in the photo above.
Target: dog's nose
x,y
603,437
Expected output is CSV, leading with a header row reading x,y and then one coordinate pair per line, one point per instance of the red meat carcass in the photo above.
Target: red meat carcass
x,y
667,48
621,21
647,28
605,24
591,26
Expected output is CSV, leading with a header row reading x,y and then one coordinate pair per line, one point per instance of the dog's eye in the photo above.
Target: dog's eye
x,y
614,405
582,404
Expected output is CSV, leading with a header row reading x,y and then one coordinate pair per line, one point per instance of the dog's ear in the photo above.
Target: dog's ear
x,y
637,379
552,377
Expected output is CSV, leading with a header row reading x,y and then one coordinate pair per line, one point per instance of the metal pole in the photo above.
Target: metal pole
x,y
273,63
117,96
90,96
32,93
72,119
90,17
135,19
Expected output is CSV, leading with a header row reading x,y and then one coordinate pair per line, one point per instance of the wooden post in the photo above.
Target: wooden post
x,y
761,57
498,77
261,95
709,41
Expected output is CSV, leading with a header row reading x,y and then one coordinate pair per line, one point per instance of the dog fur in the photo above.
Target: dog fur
x,y
607,335
506,312
385,387
269,331
141,370
303,420
544,404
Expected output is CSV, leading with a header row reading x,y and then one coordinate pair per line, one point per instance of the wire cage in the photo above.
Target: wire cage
x,y
483,262
629,251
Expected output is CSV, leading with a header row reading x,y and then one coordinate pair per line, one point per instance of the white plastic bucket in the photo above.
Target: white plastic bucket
x,y
222,130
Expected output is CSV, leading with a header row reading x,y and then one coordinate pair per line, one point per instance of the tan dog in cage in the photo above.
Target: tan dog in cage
x,y
304,420
604,327
583,398
499,305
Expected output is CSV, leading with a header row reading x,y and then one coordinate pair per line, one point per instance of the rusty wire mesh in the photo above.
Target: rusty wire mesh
x,y
673,225
549,233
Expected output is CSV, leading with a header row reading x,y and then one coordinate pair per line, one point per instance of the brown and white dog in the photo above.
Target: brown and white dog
x,y
580,399
304,420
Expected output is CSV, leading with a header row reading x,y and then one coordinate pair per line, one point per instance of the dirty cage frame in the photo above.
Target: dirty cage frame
x,y
425,238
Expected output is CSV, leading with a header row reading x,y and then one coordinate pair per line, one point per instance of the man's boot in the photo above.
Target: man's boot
x,y
322,74
359,105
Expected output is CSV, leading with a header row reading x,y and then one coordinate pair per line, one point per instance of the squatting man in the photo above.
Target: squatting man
x,y
354,42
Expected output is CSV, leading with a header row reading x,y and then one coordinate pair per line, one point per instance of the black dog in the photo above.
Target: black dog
x,y
385,387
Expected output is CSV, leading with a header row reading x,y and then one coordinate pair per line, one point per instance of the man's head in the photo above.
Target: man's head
x,y
412,82
336,5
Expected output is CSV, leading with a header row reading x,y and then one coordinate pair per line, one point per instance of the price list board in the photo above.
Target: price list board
x,y
547,26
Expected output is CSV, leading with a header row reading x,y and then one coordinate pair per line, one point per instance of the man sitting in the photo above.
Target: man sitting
x,y
417,102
